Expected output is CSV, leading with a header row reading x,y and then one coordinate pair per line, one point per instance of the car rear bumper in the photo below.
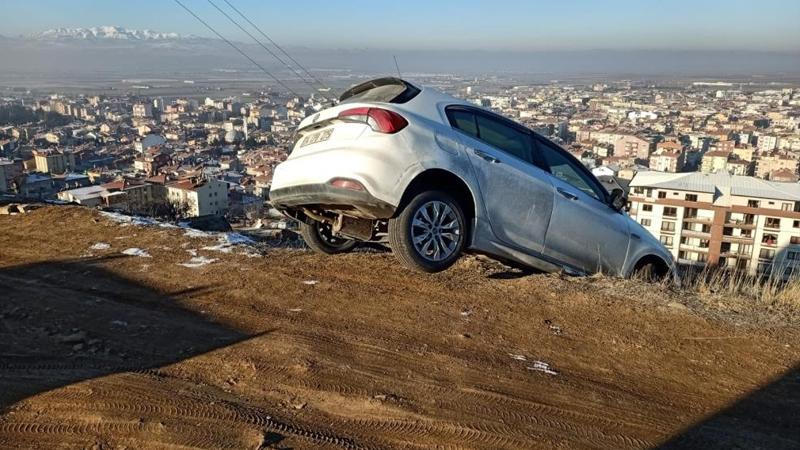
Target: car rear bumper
x,y
361,203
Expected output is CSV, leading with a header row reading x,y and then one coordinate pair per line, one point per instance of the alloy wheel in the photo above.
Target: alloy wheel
x,y
435,230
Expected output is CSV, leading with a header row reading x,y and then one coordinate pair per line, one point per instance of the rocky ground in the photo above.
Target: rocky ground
x,y
121,335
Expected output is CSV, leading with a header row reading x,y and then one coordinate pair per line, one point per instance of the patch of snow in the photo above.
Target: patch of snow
x,y
223,248
192,252
238,239
192,233
518,357
136,252
541,366
100,246
310,282
227,242
198,261
128,220
295,310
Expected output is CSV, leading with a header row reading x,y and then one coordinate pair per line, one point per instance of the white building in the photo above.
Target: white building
x,y
202,198
151,140
142,110
733,221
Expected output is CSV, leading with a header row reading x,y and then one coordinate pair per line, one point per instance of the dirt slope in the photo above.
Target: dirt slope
x,y
286,349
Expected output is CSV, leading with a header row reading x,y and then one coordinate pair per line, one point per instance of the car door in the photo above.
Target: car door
x,y
517,194
585,231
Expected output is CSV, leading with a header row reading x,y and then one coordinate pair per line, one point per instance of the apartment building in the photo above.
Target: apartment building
x,y
633,146
138,194
9,171
142,110
715,161
667,161
53,161
733,221
203,198
767,164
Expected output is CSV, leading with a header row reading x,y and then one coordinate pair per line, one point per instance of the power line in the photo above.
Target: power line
x,y
237,49
397,66
264,47
277,46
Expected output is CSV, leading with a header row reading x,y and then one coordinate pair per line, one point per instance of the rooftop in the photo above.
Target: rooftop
x,y
718,182
87,192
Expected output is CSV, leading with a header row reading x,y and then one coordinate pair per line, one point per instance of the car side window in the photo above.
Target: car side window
x,y
565,169
504,137
464,121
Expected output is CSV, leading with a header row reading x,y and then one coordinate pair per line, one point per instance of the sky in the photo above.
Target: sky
x,y
509,25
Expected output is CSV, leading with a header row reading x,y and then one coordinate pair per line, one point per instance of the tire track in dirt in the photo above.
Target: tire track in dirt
x,y
473,401
141,398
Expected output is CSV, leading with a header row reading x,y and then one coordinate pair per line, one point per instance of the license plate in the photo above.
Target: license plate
x,y
319,136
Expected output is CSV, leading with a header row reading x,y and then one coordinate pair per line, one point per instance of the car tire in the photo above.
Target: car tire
x,y
319,238
429,233
650,272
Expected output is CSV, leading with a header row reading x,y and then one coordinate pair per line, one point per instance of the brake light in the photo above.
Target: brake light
x,y
380,120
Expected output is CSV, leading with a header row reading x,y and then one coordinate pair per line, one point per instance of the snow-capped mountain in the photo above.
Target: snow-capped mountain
x,y
105,33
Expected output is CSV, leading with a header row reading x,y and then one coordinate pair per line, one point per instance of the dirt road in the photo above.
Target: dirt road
x,y
286,349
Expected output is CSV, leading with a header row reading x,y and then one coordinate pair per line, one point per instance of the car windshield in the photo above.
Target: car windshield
x,y
384,90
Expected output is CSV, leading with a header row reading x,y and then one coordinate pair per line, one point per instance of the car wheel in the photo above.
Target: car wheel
x,y
428,234
650,272
319,237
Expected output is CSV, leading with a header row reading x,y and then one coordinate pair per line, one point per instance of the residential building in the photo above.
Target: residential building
x,y
10,170
715,161
95,196
37,186
767,142
138,194
149,141
86,196
744,152
53,161
667,161
201,197
633,146
141,110
736,222
767,164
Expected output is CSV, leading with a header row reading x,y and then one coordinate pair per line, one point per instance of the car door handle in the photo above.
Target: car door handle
x,y
486,156
567,194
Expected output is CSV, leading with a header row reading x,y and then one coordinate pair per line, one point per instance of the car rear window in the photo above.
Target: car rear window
x,y
383,90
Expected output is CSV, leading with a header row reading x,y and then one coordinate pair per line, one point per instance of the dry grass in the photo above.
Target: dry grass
x,y
768,290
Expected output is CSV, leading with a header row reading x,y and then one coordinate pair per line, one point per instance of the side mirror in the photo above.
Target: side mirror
x,y
618,200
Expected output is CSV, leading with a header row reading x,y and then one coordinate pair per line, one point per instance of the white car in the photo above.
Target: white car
x,y
434,176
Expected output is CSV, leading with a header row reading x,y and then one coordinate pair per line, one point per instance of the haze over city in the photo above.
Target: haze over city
x,y
544,39
463,25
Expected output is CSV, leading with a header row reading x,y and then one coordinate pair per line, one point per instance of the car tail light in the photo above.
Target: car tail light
x,y
380,120
345,183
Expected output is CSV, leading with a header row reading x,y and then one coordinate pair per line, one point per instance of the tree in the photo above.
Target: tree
x,y
165,210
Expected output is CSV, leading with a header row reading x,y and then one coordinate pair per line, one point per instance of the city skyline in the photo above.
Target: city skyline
x,y
448,25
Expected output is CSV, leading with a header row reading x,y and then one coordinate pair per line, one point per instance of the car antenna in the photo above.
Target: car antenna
x,y
397,66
